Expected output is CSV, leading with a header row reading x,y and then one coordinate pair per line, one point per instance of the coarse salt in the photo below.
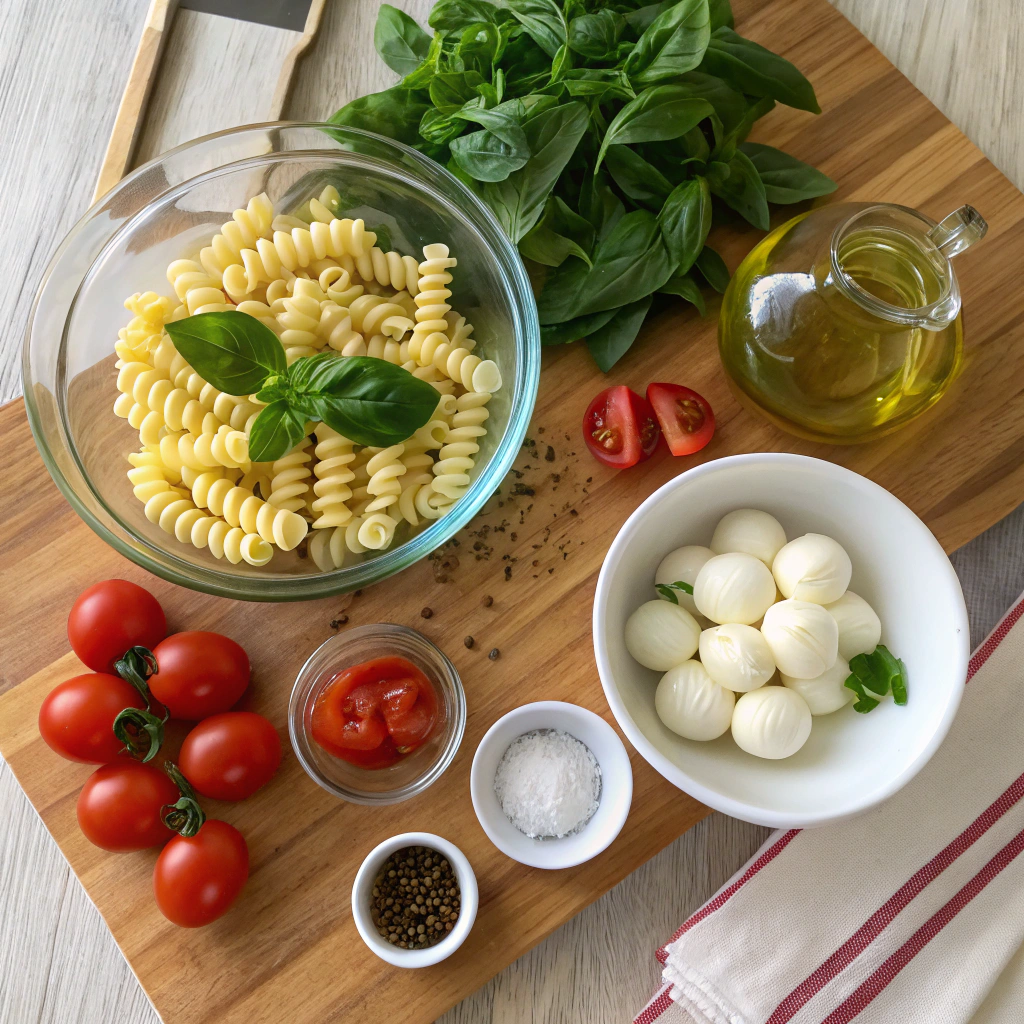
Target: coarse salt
x,y
548,783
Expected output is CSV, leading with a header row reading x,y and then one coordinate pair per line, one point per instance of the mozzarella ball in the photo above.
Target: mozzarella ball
x,y
734,588
825,693
736,657
813,568
859,626
752,532
660,634
771,722
682,566
803,637
692,704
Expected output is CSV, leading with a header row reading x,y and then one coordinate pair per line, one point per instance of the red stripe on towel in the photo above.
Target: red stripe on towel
x,y
656,1007
861,997
899,901
727,893
995,638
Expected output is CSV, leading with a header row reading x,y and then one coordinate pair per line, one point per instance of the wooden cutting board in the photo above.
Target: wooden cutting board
x,y
289,950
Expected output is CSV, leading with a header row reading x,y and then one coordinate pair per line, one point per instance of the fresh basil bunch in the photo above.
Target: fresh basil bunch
x,y
370,401
600,132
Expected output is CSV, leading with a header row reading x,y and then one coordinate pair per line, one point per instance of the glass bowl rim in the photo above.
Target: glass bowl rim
x,y
449,683
218,581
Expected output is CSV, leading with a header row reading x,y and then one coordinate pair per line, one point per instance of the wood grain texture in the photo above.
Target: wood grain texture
x,y
597,968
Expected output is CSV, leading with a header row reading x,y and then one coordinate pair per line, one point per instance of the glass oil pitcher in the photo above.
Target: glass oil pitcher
x,y
844,324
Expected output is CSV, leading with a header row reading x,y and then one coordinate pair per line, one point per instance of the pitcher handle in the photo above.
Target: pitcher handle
x,y
962,228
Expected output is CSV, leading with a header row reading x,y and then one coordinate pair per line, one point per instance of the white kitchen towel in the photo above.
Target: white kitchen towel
x,y
908,913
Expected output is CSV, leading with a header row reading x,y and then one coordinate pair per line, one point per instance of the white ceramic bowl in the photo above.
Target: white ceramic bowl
x,y
362,889
851,762
616,785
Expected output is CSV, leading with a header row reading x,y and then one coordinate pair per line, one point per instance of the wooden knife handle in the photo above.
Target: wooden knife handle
x,y
136,94
284,80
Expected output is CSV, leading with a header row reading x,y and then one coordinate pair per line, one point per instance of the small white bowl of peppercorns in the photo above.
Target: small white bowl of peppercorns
x,y
414,899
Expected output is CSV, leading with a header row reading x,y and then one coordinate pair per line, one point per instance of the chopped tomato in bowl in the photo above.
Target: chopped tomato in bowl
x,y
377,713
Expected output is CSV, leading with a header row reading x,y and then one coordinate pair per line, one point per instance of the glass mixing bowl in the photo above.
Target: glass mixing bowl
x,y
167,210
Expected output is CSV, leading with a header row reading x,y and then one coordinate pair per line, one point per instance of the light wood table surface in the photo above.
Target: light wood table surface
x,y
62,68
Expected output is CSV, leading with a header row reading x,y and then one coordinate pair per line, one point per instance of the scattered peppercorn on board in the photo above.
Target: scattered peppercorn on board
x,y
520,581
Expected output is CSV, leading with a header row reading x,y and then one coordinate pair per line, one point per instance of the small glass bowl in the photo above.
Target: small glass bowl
x,y
415,772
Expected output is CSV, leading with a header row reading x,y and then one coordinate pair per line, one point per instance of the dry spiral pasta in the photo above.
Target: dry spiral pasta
x,y
320,283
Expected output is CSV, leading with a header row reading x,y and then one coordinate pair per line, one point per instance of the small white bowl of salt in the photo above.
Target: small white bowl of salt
x,y
551,784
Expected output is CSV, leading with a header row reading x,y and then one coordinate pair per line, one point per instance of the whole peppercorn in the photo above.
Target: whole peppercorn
x,y
495,654
487,601
426,613
469,641
415,899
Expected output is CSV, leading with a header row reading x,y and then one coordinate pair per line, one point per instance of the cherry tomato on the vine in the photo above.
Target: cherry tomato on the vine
x,y
77,716
199,674
686,418
119,808
110,617
230,756
619,428
196,879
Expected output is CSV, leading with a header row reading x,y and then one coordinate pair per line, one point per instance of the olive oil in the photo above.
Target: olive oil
x,y
829,325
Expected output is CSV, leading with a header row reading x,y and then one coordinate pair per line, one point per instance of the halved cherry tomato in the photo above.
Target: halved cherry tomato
x,y
110,617
119,808
77,716
373,714
619,428
230,756
199,674
686,418
197,879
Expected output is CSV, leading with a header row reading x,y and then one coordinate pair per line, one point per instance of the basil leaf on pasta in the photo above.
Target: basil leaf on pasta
x,y
276,430
232,351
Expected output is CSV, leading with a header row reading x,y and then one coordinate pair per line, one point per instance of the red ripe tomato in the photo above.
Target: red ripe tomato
x,y
77,717
686,418
110,617
119,808
197,879
619,428
199,674
230,756
375,713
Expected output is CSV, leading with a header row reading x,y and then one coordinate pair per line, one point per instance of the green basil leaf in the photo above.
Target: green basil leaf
x,y
685,220
713,269
899,684
396,113
450,91
600,205
559,217
428,67
659,113
786,179
628,265
728,140
371,401
440,128
454,15
730,105
501,122
594,35
753,69
552,136
486,157
665,591
543,20
276,430
573,330
672,44
603,84
543,245
640,19
232,351
477,48
640,181
864,703
721,14
401,43
611,342
562,64
743,191
686,288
